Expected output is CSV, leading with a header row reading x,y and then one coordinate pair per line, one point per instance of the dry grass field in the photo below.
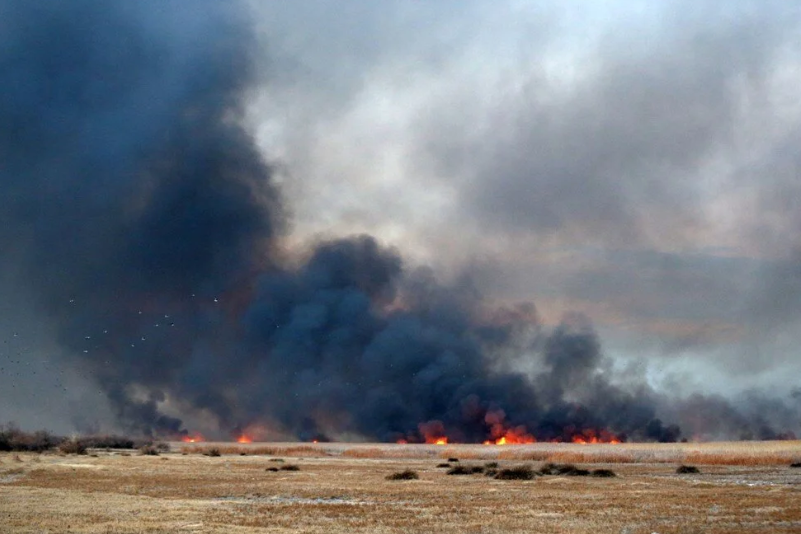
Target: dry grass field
x,y
342,488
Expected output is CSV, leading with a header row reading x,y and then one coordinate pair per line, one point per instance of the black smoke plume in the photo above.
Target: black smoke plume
x,y
150,228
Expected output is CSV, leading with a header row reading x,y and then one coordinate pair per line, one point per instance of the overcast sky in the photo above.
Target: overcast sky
x,y
639,162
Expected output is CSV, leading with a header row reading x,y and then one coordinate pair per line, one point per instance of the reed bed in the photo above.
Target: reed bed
x,y
717,453
255,450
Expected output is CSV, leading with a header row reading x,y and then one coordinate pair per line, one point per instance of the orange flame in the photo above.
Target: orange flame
x,y
509,436
192,438
244,439
441,440
591,437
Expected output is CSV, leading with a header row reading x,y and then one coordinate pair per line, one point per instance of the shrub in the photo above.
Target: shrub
x,y
212,451
277,460
443,465
603,473
72,446
408,474
290,467
460,470
14,439
490,472
491,465
453,459
112,442
556,469
522,472
273,469
576,472
687,470
149,450
795,464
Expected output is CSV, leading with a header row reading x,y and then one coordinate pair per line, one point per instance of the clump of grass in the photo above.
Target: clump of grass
x,y
687,470
578,473
273,469
148,450
522,472
795,464
443,465
407,474
72,446
491,465
453,459
212,451
490,472
465,470
277,460
559,469
290,467
603,473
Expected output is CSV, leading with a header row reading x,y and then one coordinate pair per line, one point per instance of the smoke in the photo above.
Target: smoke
x,y
150,228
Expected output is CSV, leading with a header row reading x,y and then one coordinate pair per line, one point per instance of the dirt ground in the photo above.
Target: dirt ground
x,y
338,490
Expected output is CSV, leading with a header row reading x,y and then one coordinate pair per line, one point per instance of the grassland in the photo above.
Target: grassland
x,y
338,488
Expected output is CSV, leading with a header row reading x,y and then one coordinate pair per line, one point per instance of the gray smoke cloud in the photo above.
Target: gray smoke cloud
x,y
139,212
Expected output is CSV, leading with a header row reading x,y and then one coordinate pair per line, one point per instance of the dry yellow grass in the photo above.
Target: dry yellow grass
x,y
253,449
347,493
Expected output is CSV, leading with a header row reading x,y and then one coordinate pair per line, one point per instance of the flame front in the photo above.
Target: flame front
x,y
244,439
591,437
192,438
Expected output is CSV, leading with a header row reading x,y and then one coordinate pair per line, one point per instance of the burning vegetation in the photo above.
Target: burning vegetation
x,y
180,292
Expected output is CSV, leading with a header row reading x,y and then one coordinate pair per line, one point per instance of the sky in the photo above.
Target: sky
x,y
633,163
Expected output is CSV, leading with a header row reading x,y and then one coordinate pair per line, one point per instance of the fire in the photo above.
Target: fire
x,y
192,438
244,439
315,441
502,435
591,437
511,438
402,442
433,432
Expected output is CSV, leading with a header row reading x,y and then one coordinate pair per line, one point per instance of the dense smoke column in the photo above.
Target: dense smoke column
x,y
394,355
131,196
